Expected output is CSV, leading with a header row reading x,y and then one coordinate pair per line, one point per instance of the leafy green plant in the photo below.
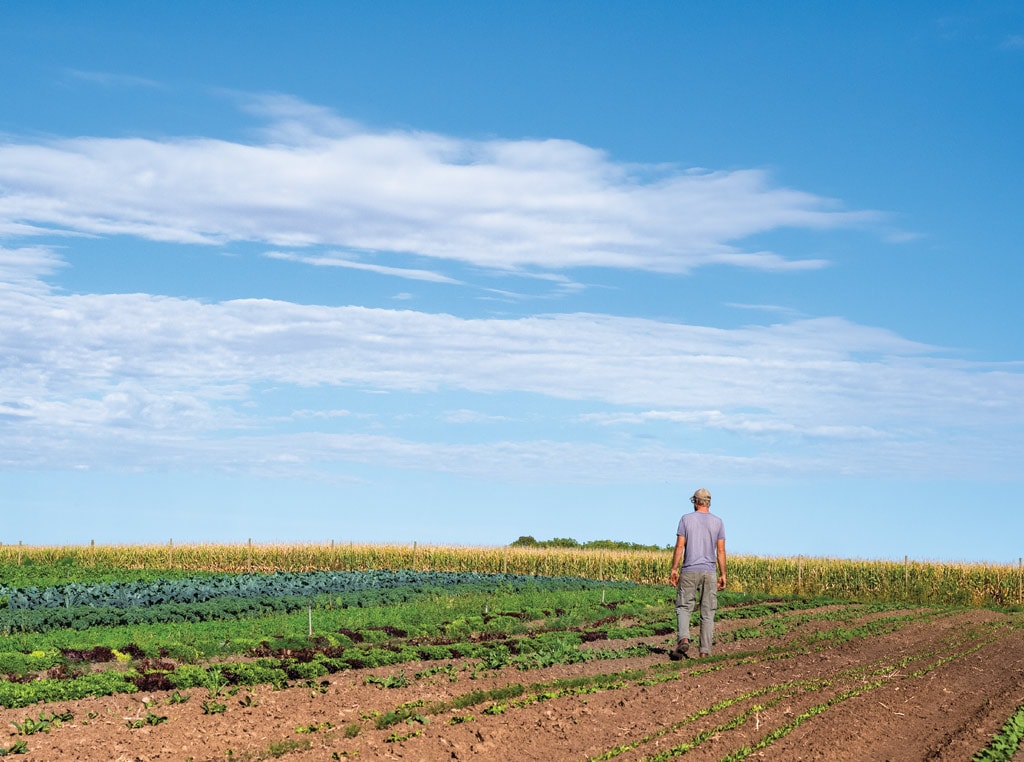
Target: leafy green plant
x,y
49,690
450,670
216,681
43,724
548,649
318,687
149,719
287,746
18,747
495,658
391,681
1005,744
24,664
399,737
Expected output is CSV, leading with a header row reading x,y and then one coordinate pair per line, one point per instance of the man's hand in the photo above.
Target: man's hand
x,y
677,558
721,582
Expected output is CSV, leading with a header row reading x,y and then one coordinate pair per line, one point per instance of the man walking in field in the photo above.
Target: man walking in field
x,y
700,545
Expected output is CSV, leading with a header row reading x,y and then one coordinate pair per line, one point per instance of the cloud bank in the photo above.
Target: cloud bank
x,y
152,381
143,380
313,179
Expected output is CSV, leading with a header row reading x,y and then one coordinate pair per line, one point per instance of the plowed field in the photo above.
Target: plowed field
x,y
833,683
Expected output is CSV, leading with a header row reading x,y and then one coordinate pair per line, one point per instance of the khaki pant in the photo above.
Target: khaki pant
x,y
691,584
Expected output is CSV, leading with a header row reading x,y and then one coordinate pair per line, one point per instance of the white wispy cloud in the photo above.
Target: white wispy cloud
x,y
319,180
143,380
741,423
110,79
473,416
777,309
149,381
323,414
22,269
333,260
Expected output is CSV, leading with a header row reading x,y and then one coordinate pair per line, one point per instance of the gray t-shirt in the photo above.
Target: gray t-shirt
x,y
702,532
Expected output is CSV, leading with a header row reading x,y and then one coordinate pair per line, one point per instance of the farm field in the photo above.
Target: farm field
x,y
421,665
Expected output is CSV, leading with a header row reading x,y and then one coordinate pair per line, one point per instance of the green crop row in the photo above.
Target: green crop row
x,y
450,613
422,630
134,594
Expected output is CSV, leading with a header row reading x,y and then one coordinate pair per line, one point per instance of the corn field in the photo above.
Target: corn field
x,y
932,583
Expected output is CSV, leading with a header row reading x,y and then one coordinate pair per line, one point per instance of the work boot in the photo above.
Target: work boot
x,y
679,652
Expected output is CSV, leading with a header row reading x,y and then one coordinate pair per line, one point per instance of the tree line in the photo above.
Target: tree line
x,y
526,541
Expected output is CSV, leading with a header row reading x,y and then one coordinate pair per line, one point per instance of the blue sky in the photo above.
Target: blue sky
x,y
456,272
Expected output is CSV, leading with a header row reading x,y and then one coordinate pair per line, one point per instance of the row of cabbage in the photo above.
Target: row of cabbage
x,y
228,597
129,594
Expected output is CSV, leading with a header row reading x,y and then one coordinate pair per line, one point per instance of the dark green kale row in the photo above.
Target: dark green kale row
x,y
81,606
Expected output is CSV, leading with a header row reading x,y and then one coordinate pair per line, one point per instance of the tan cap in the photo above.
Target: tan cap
x,y
701,496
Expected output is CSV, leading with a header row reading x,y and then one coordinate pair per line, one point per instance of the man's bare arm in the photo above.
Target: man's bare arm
x,y
721,564
677,557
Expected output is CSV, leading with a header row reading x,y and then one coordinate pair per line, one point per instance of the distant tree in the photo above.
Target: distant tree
x,y
618,545
527,541
562,542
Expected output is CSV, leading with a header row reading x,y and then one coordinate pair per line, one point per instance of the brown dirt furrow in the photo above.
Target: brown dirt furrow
x,y
948,713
